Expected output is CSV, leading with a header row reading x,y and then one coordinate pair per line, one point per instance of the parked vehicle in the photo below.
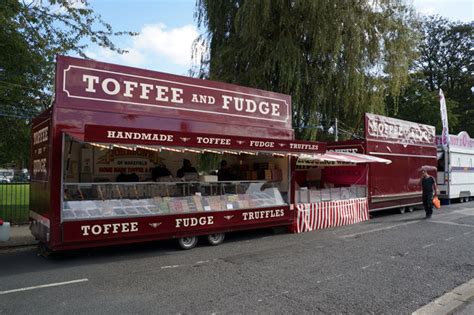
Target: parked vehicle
x,y
410,146
456,168
93,154
6,175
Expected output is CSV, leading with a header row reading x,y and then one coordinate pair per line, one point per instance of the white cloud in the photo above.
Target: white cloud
x,y
459,10
174,44
427,11
156,47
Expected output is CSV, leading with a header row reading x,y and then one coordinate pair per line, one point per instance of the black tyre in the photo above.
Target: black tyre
x,y
402,210
187,242
215,239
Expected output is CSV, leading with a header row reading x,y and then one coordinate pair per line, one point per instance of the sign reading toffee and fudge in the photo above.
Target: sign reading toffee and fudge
x,y
396,130
40,150
120,135
92,85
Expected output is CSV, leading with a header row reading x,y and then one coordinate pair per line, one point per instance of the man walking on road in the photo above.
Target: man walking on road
x,y
428,185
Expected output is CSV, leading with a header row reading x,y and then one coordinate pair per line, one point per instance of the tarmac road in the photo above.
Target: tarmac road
x,y
393,264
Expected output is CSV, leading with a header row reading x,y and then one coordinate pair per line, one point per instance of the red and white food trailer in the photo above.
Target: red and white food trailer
x,y
121,156
410,146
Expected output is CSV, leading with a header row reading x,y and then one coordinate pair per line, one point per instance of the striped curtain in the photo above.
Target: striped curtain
x,y
322,215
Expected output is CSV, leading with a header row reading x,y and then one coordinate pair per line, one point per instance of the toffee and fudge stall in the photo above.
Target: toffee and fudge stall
x,y
128,155
331,189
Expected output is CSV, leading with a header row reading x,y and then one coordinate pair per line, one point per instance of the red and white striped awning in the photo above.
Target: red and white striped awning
x,y
338,158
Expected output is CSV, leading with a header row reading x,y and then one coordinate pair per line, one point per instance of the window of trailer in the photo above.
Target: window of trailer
x,y
108,180
326,182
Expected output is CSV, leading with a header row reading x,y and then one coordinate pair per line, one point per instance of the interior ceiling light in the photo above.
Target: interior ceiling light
x,y
124,147
148,148
101,146
192,150
248,153
213,151
171,149
232,152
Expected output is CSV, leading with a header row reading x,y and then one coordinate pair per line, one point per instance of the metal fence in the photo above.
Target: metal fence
x,y
14,202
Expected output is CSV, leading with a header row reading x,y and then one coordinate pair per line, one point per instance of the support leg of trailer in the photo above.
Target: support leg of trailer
x,y
44,250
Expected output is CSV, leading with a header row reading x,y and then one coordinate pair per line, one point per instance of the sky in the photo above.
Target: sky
x,y
168,28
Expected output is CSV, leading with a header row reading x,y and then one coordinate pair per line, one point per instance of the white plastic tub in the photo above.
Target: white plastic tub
x,y
4,231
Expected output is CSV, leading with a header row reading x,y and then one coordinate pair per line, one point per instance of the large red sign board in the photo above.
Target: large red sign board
x,y
120,135
399,131
91,85
168,225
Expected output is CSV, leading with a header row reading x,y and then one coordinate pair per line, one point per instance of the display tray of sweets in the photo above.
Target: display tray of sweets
x,y
315,195
129,207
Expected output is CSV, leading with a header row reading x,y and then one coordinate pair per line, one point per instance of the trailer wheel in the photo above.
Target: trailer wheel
x,y
402,210
215,239
410,209
187,242
466,199
461,200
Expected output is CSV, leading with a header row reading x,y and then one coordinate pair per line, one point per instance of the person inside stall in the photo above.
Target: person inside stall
x,y
160,171
187,170
127,178
313,177
224,173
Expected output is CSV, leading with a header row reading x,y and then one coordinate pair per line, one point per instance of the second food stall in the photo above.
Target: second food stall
x,y
331,189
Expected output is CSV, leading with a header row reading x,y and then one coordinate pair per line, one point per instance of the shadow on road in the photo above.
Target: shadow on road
x,y
28,259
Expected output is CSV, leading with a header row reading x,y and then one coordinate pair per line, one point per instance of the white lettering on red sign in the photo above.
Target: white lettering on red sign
x,y
203,99
40,136
113,134
109,228
263,214
250,106
215,141
262,144
39,166
399,130
303,146
187,222
145,91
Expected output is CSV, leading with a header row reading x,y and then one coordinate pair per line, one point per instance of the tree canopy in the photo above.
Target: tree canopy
x,y
32,34
446,61
337,59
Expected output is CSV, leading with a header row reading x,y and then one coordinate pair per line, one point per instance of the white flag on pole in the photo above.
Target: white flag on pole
x,y
444,120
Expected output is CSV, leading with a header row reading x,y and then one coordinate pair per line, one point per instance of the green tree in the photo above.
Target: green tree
x,y
446,61
31,36
335,58
419,104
